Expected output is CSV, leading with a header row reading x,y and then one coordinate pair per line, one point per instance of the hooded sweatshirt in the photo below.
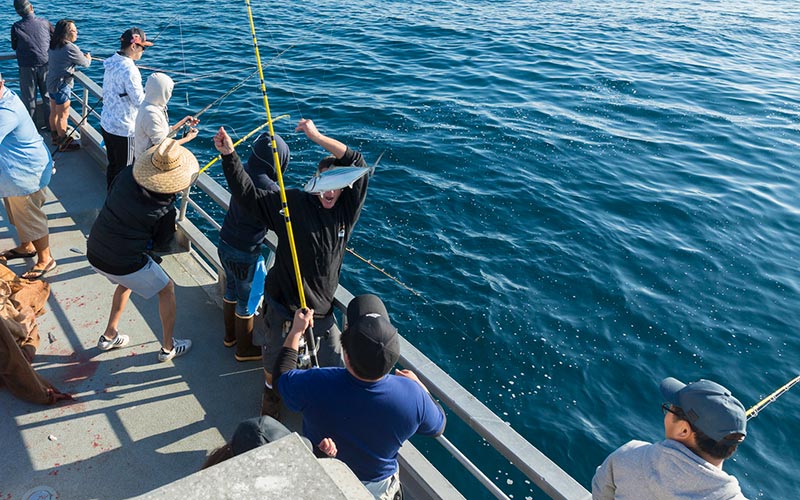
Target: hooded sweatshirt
x,y
663,471
152,121
240,229
122,95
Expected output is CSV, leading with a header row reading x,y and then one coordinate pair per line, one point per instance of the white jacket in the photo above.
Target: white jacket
x,y
152,122
122,95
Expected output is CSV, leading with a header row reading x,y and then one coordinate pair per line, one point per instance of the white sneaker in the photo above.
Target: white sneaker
x,y
179,348
105,344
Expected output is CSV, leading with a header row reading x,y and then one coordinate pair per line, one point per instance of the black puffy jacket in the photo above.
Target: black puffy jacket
x,y
130,218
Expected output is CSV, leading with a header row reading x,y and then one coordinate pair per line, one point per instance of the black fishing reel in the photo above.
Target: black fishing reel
x,y
304,361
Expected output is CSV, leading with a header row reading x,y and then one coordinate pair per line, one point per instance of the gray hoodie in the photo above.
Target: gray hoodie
x,y
663,471
152,122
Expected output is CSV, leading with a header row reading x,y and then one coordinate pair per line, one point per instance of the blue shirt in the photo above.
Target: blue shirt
x,y
25,162
368,421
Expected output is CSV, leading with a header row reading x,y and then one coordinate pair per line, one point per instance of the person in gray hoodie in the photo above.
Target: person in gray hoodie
x,y
152,120
703,425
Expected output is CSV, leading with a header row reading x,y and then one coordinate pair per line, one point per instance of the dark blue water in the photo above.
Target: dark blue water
x,y
589,195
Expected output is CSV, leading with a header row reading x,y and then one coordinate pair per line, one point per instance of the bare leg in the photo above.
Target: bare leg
x,y
121,296
43,256
52,118
61,119
167,309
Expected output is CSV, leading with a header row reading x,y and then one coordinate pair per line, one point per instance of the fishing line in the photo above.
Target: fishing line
x,y
310,340
753,412
183,57
165,27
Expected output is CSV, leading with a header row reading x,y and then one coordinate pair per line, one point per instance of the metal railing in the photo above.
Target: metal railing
x,y
537,467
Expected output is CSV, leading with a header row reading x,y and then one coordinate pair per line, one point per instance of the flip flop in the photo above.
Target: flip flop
x,y
35,274
13,254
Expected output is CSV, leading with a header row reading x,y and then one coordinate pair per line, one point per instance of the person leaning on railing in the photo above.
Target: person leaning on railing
x,y
366,411
704,425
30,38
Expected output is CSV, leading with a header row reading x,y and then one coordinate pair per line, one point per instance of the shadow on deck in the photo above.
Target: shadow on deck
x,y
136,424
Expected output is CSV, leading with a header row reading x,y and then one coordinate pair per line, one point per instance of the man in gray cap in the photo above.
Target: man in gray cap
x,y
703,425
30,38
366,412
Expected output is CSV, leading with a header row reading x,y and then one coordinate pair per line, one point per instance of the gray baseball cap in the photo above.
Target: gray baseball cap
x,y
709,407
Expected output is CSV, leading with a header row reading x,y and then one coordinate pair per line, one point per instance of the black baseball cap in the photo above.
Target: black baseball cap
x,y
370,340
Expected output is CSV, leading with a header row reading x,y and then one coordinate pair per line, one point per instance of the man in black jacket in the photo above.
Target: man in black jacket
x,y
139,212
30,38
321,224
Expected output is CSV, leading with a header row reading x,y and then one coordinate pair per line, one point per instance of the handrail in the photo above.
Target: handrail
x,y
537,467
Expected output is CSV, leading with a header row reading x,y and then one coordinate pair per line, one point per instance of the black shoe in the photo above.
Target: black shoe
x,y
271,403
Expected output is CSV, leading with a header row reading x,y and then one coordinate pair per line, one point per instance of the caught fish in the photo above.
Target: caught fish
x,y
335,178
338,177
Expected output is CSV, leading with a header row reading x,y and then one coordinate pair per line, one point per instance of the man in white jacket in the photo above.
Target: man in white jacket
x,y
122,95
152,121
703,425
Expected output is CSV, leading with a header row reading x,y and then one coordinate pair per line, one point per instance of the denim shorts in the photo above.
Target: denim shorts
x,y
240,267
62,96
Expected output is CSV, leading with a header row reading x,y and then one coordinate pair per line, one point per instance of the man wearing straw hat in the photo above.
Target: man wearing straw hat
x,y
140,209
704,425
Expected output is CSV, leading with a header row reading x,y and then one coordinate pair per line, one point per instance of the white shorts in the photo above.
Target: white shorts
x,y
147,281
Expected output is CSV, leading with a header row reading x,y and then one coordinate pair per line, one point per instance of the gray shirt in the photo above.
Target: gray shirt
x,y
663,471
61,65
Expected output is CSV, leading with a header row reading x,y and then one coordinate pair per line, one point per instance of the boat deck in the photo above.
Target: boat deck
x,y
136,424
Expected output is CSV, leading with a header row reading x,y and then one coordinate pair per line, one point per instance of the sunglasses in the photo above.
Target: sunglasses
x,y
667,408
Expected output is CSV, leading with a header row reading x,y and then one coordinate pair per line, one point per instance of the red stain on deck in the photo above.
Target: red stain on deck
x,y
83,368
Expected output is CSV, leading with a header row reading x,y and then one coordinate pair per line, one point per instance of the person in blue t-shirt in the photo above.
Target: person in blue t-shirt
x,y
368,413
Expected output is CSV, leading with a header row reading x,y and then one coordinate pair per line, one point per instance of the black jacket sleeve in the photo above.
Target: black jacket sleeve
x,y
287,360
256,201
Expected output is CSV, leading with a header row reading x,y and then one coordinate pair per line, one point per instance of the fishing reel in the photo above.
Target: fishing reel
x,y
304,353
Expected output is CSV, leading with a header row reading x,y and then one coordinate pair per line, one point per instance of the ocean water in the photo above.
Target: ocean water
x,y
588,196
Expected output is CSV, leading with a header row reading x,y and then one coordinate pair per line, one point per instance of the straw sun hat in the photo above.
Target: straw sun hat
x,y
166,168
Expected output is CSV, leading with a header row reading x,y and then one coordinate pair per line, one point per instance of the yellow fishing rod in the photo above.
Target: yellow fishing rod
x,y
310,341
752,412
249,135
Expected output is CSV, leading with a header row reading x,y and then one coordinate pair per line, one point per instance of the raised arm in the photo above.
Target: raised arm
x,y
334,147
252,198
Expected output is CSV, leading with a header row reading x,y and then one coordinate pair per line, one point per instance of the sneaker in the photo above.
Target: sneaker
x,y
119,341
179,348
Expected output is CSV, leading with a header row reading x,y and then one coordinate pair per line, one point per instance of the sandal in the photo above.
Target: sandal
x,y
14,254
35,274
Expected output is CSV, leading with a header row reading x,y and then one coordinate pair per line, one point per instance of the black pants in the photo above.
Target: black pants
x,y
119,151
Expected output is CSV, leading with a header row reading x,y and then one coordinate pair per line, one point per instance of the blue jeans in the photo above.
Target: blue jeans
x,y
240,267
31,79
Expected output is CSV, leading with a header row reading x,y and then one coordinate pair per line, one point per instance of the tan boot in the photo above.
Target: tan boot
x,y
228,315
245,350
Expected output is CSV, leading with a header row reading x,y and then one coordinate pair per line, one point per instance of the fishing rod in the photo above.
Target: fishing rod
x,y
196,116
247,136
753,412
309,335
68,137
